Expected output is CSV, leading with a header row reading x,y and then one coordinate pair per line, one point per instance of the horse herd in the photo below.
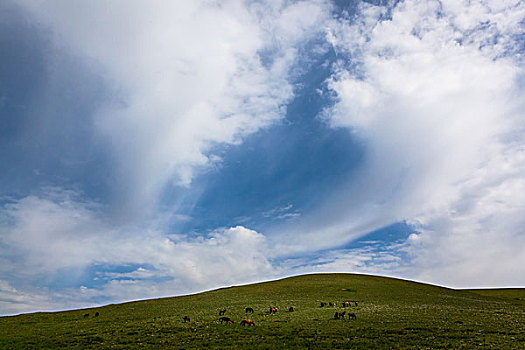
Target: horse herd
x,y
341,315
273,310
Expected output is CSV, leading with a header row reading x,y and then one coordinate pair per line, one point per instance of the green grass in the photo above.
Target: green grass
x,y
515,295
391,314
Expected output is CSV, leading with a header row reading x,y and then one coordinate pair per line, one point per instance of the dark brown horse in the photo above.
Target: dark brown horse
x,y
339,315
291,309
352,315
249,309
323,304
248,322
331,304
186,318
222,312
225,319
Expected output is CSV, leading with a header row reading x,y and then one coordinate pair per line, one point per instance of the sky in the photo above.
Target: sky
x,y
157,148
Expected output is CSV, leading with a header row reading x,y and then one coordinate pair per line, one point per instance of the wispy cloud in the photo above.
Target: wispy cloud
x,y
282,213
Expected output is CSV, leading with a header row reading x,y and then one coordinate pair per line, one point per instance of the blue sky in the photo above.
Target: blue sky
x,y
160,149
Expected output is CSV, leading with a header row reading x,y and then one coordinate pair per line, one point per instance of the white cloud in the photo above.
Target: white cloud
x,y
478,241
42,237
50,232
435,95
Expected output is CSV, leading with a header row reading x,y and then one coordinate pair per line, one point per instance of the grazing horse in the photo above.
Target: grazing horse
x,y
249,309
331,304
339,315
97,314
86,315
225,319
352,315
273,310
186,318
248,322
346,304
323,304
222,312
290,309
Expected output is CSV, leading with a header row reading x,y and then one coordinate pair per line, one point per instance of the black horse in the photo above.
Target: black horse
x,y
249,309
186,318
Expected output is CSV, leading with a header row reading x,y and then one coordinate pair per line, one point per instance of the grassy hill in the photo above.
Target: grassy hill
x,y
391,314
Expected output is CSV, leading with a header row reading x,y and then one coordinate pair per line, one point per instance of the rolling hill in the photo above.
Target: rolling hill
x,y
391,313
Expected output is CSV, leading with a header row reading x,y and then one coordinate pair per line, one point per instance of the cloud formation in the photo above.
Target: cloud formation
x,y
434,89
182,78
187,76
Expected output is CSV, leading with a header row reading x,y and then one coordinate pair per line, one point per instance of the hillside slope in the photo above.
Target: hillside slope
x,y
391,314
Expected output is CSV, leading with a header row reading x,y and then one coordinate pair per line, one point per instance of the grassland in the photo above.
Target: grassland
x,y
391,314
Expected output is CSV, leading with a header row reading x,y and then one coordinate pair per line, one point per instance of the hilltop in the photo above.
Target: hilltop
x,y
391,313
